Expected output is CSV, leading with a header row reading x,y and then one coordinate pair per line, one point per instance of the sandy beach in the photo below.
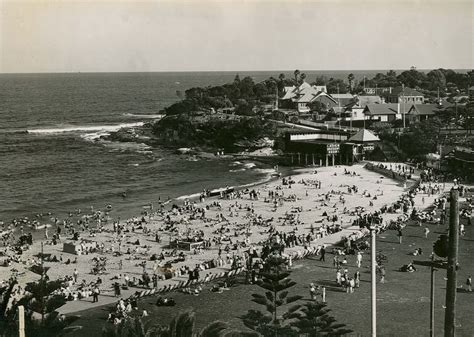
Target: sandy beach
x,y
228,225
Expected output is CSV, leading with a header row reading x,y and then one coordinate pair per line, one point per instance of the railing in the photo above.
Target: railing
x,y
319,136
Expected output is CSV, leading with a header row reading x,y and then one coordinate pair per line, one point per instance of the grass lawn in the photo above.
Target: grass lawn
x,y
403,300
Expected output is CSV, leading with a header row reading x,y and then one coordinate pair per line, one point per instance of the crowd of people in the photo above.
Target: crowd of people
x,y
191,239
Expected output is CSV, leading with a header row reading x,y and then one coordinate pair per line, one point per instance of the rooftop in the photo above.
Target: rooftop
x,y
364,136
425,109
399,91
381,109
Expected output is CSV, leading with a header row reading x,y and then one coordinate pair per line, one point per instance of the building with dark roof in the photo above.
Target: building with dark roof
x,y
305,94
420,112
382,112
404,95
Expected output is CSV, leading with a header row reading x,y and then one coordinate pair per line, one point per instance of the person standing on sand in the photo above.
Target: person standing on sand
x,y
400,235
75,275
469,283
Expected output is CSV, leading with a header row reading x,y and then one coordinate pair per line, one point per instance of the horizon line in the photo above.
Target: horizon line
x,y
218,71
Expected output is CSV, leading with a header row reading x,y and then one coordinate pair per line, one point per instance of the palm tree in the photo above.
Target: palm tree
x,y
302,77
297,74
351,79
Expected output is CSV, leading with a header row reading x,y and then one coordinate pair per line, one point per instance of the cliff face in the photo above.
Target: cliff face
x,y
230,133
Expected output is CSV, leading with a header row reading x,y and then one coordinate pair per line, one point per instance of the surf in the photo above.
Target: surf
x,y
84,128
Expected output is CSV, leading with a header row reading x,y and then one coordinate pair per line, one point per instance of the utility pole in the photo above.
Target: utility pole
x,y
276,97
450,314
42,282
432,296
21,321
374,282
403,102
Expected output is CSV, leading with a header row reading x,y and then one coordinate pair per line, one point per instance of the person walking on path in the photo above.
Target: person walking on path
x,y
312,291
400,236
117,289
357,279
359,259
338,277
469,283
95,294
427,231
382,274
323,253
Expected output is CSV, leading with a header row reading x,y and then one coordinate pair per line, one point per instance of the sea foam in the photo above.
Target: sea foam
x,y
85,128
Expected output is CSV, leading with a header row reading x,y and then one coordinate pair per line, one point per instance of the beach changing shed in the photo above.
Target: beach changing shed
x,y
360,145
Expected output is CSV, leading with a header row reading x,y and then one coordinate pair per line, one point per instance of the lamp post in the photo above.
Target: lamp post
x,y
374,281
432,296
451,285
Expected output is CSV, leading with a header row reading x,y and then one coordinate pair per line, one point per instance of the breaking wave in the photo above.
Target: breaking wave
x,y
85,128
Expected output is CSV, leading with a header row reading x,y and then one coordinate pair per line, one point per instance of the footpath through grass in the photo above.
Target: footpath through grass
x,y
403,300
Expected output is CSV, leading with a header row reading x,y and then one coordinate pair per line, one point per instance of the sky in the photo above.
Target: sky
x,y
234,35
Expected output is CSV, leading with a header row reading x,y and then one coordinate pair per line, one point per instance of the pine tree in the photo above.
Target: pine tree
x,y
182,325
314,321
275,282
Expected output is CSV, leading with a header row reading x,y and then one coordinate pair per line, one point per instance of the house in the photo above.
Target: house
x,y
343,99
363,100
403,95
327,100
354,111
364,136
421,112
305,94
382,112
359,146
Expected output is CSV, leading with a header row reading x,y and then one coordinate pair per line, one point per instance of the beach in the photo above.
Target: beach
x,y
296,205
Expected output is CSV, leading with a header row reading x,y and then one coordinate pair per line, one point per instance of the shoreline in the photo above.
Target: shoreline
x,y
46,216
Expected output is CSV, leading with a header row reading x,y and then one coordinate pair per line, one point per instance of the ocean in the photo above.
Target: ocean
x,y
60,166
